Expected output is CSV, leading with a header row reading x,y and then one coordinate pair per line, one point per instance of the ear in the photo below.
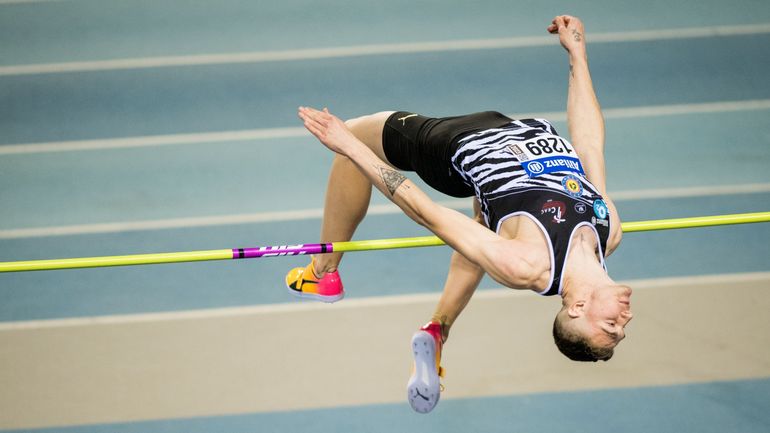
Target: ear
x,y
576,309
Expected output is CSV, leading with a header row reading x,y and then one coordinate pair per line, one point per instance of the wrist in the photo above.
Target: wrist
x,y
578,55
353,150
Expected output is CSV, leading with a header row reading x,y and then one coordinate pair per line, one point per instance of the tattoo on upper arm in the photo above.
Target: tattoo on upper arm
x,y
391,178
576,34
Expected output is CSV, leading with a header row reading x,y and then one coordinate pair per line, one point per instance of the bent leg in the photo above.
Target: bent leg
x,y
424,386
348,191
462,280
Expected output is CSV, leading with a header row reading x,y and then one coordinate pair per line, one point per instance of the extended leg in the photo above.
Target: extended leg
x,y
347,199
348,191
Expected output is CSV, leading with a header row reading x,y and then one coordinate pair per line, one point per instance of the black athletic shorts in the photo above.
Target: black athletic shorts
x,y
412,142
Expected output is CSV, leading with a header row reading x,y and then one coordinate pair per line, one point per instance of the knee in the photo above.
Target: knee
x,y
353,123
358,123
369,130
369,122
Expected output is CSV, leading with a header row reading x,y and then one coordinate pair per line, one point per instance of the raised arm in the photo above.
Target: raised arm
x,y
584,116
480,245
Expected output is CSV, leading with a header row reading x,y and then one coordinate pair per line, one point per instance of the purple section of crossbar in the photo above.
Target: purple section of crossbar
x,y
282,250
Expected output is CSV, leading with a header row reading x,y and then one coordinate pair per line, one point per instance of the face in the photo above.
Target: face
x,y
607,314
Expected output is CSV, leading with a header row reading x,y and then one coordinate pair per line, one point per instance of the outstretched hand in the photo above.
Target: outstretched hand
x,y
571,33
328,129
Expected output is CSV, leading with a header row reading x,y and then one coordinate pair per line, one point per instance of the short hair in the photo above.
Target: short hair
x,y
575,346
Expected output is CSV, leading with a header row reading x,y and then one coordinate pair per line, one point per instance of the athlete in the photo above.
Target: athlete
x,y
543,220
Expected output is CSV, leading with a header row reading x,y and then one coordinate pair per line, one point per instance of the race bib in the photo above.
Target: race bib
x,y
546,154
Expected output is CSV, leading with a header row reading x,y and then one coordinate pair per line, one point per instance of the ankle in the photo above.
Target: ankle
x,y
320,267
442,320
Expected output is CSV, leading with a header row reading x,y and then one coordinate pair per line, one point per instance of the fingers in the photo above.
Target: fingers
x,y
561,21
313,115
315,121
324,125
324,117
555,25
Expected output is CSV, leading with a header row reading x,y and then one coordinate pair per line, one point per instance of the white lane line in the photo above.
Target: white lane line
x,y
374,301
292,132
218,220
663,110
154,140
692,191
375,49
307,214
13,2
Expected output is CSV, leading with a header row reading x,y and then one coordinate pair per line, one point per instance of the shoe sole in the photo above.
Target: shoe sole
x,y
424,388
314,296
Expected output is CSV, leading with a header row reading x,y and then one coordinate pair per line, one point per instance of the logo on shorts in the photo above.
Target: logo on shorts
x,y
403,119
535,167
555,208
572,185
600,209
580,207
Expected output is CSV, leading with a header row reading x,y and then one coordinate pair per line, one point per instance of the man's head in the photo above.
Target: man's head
x,y
591,323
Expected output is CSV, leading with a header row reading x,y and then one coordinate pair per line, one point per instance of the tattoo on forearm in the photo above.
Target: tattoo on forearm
x,y
391,178
571,72
576,34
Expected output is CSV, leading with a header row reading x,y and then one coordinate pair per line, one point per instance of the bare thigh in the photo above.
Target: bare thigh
x,y
369,129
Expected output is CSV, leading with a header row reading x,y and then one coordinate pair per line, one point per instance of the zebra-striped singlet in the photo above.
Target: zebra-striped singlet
x,y
525,168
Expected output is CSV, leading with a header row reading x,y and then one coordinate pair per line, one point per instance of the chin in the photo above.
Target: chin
x,y
624,290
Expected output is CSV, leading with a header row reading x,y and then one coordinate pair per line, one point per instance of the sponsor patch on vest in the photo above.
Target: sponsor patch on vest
x,y
600,209
602,213
572,185
595,222
557,209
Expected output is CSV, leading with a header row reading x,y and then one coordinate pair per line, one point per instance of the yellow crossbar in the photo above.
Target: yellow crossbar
x,y
365,245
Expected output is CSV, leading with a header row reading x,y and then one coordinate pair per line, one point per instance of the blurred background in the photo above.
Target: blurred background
x,y
131,126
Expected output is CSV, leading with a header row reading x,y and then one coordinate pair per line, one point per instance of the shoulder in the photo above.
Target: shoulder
x,y
518,264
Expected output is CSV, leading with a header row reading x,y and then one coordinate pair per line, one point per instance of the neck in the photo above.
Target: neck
x,y
584,271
